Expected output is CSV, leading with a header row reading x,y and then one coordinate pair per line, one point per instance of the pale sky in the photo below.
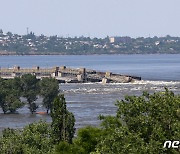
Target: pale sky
x,y
94,18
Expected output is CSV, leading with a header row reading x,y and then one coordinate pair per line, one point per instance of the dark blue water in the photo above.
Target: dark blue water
x,y
149,67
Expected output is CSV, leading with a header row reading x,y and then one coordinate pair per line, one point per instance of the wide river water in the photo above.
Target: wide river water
x,y
89,100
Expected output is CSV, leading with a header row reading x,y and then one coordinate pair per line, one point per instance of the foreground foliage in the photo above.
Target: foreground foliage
x,y
62,121
141,125
34,138
40,138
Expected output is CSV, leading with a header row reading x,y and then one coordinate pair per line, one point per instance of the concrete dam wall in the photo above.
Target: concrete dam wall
x,y
68,75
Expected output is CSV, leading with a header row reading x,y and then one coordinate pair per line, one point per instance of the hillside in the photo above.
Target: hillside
x,y
32,44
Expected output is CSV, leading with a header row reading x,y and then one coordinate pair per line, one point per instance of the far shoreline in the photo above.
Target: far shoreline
x,y
87,54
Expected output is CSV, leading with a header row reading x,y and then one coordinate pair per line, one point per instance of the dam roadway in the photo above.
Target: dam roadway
x,y
68,75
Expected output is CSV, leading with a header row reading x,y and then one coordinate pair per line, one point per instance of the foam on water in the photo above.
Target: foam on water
x,y
157,82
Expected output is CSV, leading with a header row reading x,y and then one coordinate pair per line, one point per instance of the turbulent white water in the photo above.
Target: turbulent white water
x,y
157,82
130,88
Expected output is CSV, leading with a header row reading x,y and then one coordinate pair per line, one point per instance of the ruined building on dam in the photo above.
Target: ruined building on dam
x,y
68,75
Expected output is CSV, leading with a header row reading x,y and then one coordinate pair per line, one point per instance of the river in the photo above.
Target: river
x,y
87,101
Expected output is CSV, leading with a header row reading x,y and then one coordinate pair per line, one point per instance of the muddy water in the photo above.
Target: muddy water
x,y
87,101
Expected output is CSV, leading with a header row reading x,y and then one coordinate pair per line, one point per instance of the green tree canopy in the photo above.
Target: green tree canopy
x,y
49,89
30,89
62,121
142,124
33,139
10,94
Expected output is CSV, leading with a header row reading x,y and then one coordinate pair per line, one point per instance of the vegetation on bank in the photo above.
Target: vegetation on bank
x,y
32,44
141,125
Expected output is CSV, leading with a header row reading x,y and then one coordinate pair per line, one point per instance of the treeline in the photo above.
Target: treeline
x,y
28,87
32,44
141,125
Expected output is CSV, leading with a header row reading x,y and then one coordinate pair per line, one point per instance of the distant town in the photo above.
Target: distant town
x,y
31,44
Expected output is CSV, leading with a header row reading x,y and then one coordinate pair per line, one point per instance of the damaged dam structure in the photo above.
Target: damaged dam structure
x,y
68,75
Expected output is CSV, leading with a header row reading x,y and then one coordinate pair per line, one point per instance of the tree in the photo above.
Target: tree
x,y
10,95
2,100
9,34
2,96
142,124
10,142
62,121
13,94
49,89
34,138
16,82
66,148
85,142
87,139
30,90
117,138
37,136
13,103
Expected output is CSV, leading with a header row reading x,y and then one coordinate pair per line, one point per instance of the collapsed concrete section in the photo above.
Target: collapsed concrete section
x,y
68,75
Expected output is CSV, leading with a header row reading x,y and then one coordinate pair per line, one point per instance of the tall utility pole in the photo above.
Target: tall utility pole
x,y
27,30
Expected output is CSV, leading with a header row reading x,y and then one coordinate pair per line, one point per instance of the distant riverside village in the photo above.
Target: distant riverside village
x,y
31,44
68,75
